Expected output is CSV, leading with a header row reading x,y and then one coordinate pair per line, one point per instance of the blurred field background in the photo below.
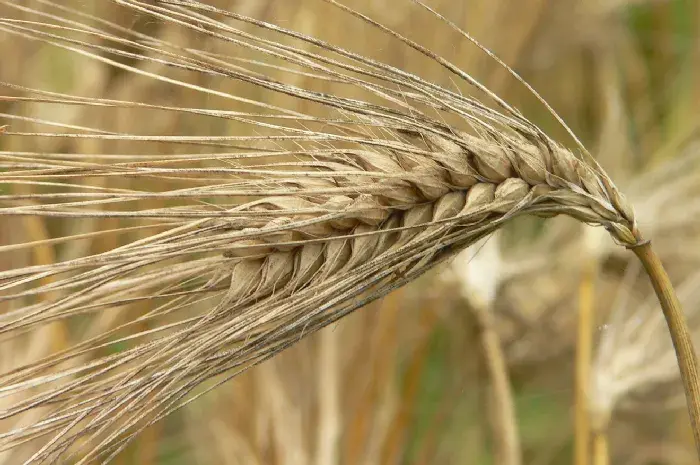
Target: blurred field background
x,y
403,381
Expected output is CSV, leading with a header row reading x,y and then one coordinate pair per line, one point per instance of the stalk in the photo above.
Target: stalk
x,y
601,453
504,426
329,402
584,350
680,333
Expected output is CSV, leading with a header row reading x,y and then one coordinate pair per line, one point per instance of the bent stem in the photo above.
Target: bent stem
x,y
680,334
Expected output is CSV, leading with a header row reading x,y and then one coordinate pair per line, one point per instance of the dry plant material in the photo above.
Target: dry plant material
x,y
311,208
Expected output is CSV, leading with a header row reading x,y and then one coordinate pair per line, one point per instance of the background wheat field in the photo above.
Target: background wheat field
x,y
406,379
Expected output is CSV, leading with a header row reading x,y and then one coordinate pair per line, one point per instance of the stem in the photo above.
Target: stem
x,y
680,334
507,450
329,415
601,454
584,350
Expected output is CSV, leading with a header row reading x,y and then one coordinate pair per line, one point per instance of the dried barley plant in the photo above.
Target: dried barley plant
x,y
232,244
